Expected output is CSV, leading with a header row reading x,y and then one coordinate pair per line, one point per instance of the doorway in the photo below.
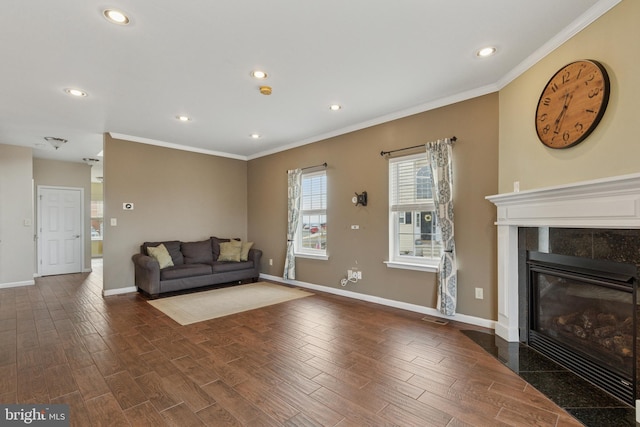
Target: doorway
x,y
60,230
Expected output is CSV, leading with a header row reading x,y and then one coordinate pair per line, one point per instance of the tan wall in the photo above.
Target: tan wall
x,y
177,195
16,205
355,165
612,149
57,173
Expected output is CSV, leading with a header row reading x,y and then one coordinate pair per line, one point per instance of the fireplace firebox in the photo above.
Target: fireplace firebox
x,y
582,314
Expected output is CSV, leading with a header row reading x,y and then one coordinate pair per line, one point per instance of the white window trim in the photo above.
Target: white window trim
x,y
431,267
312,256
398,261
318,254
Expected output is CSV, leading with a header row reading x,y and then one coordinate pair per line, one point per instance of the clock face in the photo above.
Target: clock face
x,y
572,104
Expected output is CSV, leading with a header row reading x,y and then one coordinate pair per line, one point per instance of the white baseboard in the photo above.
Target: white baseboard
x,y
118,291
17,284
471,320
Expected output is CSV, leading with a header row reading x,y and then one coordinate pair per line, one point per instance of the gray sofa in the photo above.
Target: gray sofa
x,y
196,264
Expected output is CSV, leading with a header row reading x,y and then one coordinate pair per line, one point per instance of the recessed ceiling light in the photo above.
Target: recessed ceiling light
x,y
255,135
258,74
75,92
486,51
335,107
116,16
183,118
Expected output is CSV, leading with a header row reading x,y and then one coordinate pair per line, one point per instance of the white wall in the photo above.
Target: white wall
x,y
16,216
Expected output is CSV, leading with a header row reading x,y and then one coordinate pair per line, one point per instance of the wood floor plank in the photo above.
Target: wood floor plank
x,y
153,387
107,362
198,373
349,409
144,415
181,416
232,401
336,371
357,395
8,378
78,414
312,408
125,390
261,397
215,415
104,411
90,382
59,380
32,386
185,390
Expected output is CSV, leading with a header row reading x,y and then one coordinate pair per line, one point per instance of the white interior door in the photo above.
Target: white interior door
x,y
60,226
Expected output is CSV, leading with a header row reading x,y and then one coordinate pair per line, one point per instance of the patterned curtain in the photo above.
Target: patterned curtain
x,y
295,189
439,154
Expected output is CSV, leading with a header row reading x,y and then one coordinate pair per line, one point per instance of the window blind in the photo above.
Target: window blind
x,y
411,184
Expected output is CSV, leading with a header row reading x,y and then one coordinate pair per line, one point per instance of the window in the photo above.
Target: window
x,y
312,227
414,235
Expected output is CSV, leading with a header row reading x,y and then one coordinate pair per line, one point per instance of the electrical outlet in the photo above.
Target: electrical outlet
x,y
270,261
479,293
359,275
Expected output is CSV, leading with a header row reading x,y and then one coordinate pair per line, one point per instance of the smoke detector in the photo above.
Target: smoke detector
x,y
265,90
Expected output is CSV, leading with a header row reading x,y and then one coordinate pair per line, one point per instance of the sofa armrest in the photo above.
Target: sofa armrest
x,y
147,274
255,255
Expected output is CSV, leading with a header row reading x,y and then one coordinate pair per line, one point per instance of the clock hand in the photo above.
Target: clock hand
x,y
567,99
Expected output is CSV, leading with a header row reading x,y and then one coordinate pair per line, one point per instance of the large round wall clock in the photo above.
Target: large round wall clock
x,y
572,104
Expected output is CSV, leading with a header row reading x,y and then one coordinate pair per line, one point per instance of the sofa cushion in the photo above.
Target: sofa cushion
x,y
185,270
197,252
225,266
161,254
230,251
244,253
215,246
173,247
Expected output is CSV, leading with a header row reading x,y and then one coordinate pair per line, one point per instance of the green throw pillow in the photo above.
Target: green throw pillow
x,y
230,251
244,253
161,254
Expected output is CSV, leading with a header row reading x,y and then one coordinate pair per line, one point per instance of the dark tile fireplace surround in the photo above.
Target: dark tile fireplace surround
x,y
617,250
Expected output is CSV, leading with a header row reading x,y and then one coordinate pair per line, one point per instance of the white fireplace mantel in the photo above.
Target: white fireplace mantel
x,y
603,203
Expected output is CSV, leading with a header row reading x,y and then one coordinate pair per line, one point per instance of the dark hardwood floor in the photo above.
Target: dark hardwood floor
x,y
323,360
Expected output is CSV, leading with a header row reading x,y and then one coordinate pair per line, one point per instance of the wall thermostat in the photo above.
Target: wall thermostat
x,y
127,206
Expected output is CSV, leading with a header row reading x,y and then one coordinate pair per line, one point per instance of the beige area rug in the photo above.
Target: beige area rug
x,y
199,306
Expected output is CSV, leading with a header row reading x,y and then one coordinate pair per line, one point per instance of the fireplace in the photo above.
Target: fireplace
x,y
607,204
582,315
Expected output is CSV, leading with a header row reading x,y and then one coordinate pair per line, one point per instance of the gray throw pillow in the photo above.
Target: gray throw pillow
x,y
197,252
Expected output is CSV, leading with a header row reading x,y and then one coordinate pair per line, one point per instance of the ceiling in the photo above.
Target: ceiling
x,y
379,60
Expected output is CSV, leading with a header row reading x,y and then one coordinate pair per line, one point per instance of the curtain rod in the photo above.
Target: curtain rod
x,y
384,153
324,165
